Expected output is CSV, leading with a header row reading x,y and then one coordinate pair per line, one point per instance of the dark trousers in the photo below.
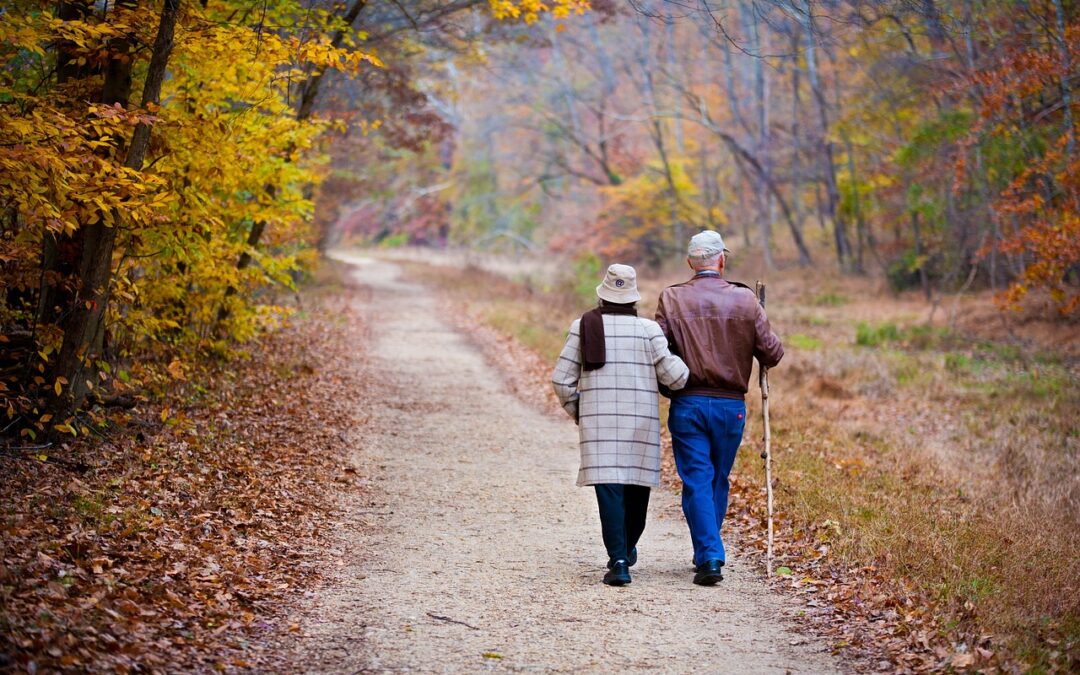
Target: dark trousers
x,y
622,517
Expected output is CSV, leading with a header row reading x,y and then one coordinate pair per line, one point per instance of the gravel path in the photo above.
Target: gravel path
x,y
473,550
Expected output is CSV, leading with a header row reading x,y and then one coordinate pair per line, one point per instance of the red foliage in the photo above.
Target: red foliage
x,y
1025,94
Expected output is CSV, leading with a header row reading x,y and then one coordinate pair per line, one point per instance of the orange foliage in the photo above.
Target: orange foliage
x,y
1043,200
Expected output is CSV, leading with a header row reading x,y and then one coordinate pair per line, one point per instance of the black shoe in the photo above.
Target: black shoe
x,y
618,575
708,573
631,559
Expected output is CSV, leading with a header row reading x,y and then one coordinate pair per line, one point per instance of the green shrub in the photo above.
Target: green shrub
x,y
903,272
800,341
586,277
395,240
829,300
914,337
869,335
955,361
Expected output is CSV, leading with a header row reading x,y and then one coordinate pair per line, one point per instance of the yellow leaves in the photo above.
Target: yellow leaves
x,y
176,370
327,56
89,37
225,130
65,428
368,127
63,164
25,32
530,10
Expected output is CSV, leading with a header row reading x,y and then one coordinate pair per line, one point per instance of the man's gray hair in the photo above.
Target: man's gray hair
x,y
704,258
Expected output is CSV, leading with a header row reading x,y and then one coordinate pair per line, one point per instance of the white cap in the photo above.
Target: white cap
x,y
619,285
706,244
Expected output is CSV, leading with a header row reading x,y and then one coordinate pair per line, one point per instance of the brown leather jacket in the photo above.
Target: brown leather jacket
x,y
718,328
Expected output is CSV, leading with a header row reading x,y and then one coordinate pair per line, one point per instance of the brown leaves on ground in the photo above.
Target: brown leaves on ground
x,y
868,617
179,546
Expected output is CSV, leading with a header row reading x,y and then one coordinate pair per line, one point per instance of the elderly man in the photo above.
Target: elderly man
x,y
718,328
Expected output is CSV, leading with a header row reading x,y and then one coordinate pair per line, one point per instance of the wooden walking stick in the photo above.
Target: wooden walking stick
x,y
766,453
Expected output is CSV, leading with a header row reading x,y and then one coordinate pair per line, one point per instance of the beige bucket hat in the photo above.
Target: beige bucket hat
x,y
619,285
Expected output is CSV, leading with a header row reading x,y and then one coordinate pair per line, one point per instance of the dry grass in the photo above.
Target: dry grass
x,y
948,464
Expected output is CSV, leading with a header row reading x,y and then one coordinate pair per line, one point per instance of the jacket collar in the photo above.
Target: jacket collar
x,y
707,273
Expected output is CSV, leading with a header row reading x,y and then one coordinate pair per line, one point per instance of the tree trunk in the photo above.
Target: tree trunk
x,y
737,117
761,138
95,274
1066,87
673,68
309,90
656,131
916,232
743,155
117,85
796,150
856,207
828,163
710,197
60,251
608,91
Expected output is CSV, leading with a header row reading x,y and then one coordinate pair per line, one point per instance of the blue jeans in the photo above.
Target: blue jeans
x,y
705,435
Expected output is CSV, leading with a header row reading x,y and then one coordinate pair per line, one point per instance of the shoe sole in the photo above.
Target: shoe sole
x,y
616,582
710,580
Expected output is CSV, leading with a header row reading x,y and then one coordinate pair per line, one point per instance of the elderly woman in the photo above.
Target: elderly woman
x,y
606,380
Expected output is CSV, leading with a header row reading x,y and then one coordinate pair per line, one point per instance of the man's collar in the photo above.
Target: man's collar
x,y
706,273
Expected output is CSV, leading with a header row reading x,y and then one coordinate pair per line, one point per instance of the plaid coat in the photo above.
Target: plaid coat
x,y
617,406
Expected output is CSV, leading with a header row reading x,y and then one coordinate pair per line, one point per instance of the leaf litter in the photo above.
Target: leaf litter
x,y
184,542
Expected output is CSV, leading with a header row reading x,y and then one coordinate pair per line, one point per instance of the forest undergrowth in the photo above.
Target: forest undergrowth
x,y
175,540
927,501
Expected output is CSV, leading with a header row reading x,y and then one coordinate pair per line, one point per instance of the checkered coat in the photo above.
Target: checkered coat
x,y
617,406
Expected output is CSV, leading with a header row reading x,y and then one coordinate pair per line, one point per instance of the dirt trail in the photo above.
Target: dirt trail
x,y
472,549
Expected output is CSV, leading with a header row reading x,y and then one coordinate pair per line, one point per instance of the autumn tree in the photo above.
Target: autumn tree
x,y
151,195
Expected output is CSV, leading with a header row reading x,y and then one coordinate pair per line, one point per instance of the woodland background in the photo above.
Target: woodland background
x,y
170,173
932,143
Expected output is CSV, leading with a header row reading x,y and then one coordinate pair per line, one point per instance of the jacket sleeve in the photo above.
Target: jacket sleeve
x,y
671,372
661,316
568,370
767,347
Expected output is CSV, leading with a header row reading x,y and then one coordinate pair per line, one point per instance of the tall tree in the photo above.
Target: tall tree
x,y
84,320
